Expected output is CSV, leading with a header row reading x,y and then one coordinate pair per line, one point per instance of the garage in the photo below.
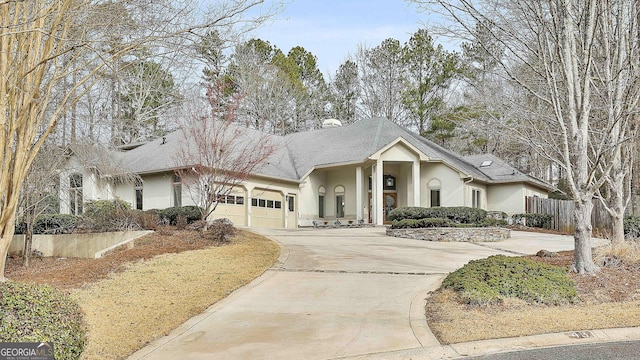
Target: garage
x,y
267,208
232,207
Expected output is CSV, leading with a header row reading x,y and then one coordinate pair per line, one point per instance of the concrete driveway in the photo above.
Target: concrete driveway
x,y
334,293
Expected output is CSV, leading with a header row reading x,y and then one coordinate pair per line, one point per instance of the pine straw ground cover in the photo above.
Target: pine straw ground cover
x,y
608,300
135,295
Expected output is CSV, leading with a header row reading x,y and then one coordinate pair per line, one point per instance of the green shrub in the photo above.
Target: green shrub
x,y
498,215
492,222
50,224
408,212
109,215
99,208
40,313
632,227
188,213
489,280
421,223
459,214
533,220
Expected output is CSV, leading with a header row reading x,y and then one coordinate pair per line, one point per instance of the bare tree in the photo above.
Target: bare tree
x,y
217,155
553,53
44,42
39,192
381,80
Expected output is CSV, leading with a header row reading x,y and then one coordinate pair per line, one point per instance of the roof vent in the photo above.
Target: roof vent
x,y
329,123
486,163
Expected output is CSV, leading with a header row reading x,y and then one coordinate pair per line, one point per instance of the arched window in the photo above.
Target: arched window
x,y
75,194
321,192
434,192
339,190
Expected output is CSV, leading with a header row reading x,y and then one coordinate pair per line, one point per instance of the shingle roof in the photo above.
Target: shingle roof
x,y
163,155
298,153
500,172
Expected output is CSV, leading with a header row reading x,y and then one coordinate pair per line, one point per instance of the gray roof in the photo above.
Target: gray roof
x,y
500,172
163,154
299,153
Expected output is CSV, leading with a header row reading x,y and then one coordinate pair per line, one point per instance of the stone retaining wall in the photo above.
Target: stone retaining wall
x,y
476,234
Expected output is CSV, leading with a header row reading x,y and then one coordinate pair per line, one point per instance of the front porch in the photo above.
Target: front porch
x,y
359,194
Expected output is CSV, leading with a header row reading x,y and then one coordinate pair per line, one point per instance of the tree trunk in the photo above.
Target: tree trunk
x,y
582,257
6,236
617,228
28,242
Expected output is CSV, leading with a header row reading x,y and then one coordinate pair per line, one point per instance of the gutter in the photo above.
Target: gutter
x,y
466,182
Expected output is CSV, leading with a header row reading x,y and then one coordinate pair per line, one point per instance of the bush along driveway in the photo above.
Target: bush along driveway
x,y
334,293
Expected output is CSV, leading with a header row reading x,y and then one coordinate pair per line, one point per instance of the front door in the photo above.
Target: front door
x,y
390,201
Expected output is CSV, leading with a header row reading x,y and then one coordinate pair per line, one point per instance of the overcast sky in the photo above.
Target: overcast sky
x,y
332,29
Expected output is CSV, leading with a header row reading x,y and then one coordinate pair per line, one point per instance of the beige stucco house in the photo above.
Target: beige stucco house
x,y
355,173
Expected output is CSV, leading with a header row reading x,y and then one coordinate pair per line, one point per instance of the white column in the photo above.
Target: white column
x,y
248,204
416,183
374,193
379,203
359,176
285,207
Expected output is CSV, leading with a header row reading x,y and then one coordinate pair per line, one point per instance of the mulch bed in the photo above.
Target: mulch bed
x,y
70,273
616,283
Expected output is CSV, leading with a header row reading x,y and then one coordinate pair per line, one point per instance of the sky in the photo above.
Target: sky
x,y
333,29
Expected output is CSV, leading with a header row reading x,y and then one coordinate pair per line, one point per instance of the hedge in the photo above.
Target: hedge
x,y
188,213
421,223
109,215
50,224
460,214
533,220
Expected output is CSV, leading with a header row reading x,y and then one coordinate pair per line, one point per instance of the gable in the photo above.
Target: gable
x,y
399,150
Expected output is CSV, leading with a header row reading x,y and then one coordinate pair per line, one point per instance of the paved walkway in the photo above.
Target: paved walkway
x,y
337,293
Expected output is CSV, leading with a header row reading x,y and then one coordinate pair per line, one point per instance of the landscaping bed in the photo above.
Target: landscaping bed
x,y
461,224
608,300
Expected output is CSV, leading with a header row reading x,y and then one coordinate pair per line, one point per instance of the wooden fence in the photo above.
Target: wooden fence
x,y
561,212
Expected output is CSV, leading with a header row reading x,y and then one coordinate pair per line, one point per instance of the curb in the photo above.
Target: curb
x,y
495,346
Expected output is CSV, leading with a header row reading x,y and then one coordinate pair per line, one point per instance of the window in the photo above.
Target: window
x,y
231,199
435,197
176,187
321,206
75,194
339,190
239,200
138,194
435,187
291,202
263,203
475,198
321,193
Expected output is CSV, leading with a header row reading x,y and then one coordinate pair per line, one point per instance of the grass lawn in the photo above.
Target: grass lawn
x,y
151,297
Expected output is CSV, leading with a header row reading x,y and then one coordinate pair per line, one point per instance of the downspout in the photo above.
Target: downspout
x,y
464,199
